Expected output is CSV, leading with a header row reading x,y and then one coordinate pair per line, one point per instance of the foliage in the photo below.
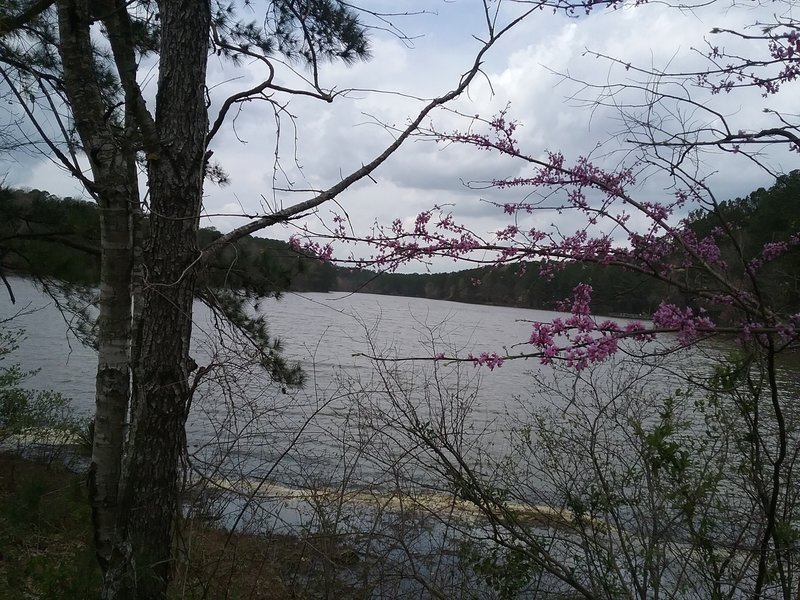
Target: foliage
x,y
45,236
507,570
511,285
32,413
263,267
764,227
239,312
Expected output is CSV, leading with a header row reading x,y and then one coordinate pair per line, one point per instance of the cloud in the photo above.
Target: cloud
x,y
541,71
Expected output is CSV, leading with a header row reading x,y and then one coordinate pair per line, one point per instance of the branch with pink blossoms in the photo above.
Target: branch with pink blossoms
x,y
579,340
647,248
435,233
665,248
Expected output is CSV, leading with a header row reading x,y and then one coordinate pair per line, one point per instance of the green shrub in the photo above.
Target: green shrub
x,y
29,416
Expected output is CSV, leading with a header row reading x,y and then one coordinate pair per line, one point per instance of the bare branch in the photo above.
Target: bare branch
x,y
286,214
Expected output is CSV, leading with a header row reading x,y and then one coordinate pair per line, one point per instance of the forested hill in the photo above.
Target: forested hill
x,y
763,216
41,234
615,291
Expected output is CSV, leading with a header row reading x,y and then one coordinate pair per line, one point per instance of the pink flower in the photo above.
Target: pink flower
x,y
686,322
485,359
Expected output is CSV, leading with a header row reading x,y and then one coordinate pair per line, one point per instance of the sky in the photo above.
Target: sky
x,y
535,71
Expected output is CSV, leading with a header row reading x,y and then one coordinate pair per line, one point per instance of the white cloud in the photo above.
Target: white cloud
x,y
335,139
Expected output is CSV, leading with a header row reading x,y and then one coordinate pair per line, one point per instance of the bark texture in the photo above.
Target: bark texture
x,y
114,175
162,365
135,496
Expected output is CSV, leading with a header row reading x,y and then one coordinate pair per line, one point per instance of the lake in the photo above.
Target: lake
x,y
325,333
242,425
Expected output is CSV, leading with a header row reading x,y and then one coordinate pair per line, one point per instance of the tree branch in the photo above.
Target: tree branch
x,y
9,23
286,214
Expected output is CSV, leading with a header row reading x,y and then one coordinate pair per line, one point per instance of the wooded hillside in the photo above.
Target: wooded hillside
x,y
43,235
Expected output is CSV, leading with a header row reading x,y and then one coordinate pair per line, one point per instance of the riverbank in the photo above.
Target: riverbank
x,y
46,549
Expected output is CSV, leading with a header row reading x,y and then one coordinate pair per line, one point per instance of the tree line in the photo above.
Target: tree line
x,y
44,235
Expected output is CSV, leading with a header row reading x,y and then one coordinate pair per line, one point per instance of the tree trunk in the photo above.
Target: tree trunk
x,y
135,503
115,188
162,365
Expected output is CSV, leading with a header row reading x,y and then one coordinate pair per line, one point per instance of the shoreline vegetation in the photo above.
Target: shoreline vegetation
x,y
47,549
48,552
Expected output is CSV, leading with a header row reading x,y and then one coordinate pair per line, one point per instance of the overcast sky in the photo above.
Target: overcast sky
x,y
328,140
